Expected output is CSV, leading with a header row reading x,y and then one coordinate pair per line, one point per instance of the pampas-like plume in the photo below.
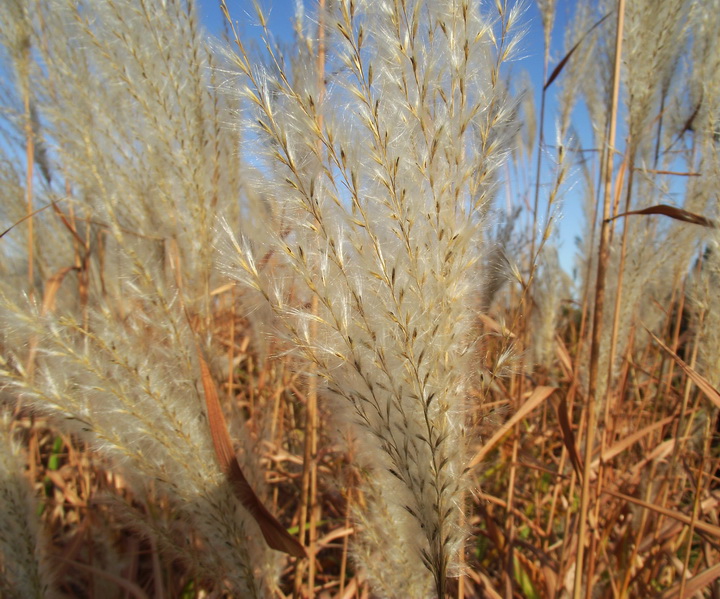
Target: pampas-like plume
x,y
125,94
127,389
384,187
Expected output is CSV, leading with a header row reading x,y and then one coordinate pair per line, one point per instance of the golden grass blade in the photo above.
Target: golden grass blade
x,y
667,172
703,384
52,286
564,356
487,588
275,535
338,533
539,395
694,584
679,516
618,448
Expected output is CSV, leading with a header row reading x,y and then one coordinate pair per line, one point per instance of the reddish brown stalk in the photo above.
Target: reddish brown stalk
x,y
231,347
461,557
696,508
675,336
609,395
618,294
603,259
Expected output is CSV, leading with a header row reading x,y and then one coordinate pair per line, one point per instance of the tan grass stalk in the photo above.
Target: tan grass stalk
x,y
592,399
510,526
699,488
309,505
607,401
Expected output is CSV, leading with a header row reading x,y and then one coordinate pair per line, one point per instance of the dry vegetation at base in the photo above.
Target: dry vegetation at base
x,y
315,237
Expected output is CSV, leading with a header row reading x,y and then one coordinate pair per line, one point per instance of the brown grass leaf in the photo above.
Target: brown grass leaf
x,y
24,218
672,212
275,535
561,65
539,395
568,437
68,225
703,384
621,446
679,516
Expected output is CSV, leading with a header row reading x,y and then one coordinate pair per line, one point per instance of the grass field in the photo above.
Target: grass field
x,y
291,322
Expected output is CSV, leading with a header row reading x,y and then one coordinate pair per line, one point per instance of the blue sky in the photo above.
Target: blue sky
x,y
280,15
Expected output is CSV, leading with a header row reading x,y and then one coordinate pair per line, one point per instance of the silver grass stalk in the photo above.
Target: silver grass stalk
x,y
658,251
597,90
383,188
576,69
705,77
25,571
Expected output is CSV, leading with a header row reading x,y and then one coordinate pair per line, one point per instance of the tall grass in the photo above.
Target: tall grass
x,y
383,183
343,243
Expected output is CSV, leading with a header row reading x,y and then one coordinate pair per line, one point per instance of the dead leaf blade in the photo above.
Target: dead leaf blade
x,y
569,437
672,212
679,516
703,384
539,395
621,446
561,65
694,584
275,534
